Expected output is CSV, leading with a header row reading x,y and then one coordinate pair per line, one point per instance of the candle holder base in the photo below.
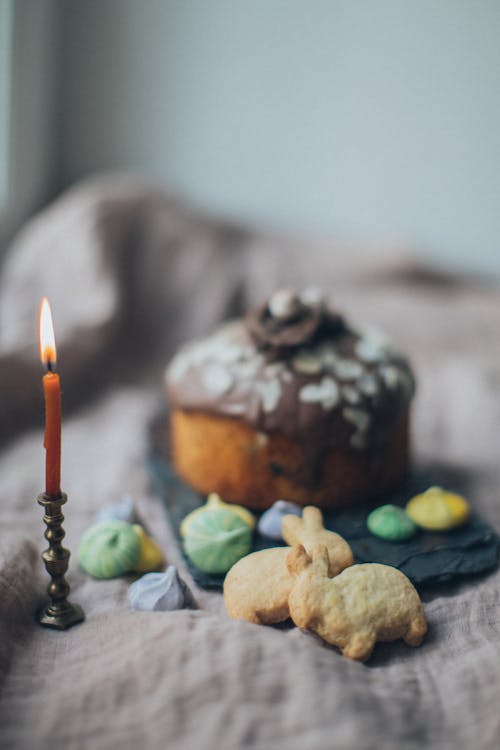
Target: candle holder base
x,y
59,613
60,617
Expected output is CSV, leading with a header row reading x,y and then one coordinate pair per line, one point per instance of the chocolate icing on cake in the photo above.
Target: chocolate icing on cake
x,y
296,368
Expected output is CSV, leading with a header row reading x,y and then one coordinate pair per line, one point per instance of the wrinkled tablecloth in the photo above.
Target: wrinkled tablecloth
x,y
131,271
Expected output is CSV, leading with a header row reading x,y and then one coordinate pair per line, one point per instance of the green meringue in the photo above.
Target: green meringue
x,y
216,539
391,523
109,549
213,502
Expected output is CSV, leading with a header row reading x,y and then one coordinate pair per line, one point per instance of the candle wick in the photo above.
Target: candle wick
x,y
50,365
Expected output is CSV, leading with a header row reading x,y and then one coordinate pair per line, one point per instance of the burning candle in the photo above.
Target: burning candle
x,y
52,392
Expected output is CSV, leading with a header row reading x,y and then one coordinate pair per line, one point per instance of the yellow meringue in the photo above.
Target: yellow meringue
x,y
438,510
151,557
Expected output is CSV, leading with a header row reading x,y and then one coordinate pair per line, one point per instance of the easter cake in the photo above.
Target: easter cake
x,y
290,402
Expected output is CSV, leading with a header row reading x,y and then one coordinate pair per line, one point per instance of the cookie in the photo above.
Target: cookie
x,y
309,530
257,587
438,510
364,604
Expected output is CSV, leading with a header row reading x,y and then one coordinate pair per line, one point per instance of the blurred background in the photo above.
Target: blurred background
x,y
375,120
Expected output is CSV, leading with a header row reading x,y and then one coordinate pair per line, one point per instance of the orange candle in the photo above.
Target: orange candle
x,y
52,392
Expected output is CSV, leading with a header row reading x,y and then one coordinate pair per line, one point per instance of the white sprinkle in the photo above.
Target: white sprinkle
x,y
178,367
245,369
270,393
350,394
326,393
227,353
328,356
221,346
348,369
248,352
368,384
369,350
361,420
390,375
201,351
216,378
273,369
358,417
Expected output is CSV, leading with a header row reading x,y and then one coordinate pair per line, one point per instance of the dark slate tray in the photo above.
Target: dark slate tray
x,y
428,558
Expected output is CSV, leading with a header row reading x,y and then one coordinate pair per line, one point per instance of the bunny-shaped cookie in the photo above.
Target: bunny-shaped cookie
x,y
309,530
364,604
257,586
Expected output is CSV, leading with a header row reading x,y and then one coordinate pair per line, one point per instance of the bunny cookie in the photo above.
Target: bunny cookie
x,y
364,604
257,587
309,530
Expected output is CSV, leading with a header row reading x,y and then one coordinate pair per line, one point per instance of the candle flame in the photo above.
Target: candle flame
x,y
47,339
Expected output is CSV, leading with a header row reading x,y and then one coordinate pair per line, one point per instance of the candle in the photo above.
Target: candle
x,y
52,392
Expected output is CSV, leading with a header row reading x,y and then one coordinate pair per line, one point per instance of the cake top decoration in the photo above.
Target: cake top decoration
x,y
289,320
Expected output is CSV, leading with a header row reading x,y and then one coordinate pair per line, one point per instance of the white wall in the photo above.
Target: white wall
x,y
29,75
5,97
373,119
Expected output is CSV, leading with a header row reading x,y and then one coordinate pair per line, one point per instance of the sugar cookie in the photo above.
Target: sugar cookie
x,y
257,587
364,604
309,530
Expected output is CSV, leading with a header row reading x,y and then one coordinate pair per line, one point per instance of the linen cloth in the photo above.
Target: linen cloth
x,y
131,271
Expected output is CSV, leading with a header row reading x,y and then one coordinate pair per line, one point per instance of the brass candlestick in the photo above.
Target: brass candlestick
x,y
59,613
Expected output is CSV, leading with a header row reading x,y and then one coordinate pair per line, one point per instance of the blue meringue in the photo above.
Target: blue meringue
x,y
160,592
124,510
270,522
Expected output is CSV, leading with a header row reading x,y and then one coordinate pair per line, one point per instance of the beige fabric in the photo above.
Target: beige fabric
x,y
197,679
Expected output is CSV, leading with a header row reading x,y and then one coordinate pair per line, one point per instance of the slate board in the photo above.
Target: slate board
x,y
427,558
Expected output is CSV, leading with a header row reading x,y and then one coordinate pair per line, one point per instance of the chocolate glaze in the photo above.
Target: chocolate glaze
x,y
310,378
